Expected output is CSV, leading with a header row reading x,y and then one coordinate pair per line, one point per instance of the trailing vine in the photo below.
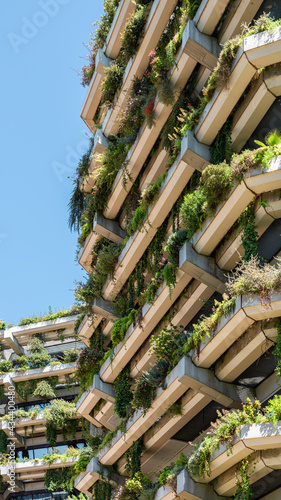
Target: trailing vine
x,y
249,235
123,394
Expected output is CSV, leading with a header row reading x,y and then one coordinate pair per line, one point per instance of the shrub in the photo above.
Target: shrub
x,y
252,277
6,366
45,390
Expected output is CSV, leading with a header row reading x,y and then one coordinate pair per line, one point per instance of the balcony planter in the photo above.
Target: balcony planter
x,y
247,310
257,51
151,315
86,479
247,349
35,470
215,228
255,106
146,138
186,308
244,12
101,309
207,15
264,462
158,17
93,96
89,399
99,147
230,253
112,46
177,178
252,437
185,375
164,430
102,228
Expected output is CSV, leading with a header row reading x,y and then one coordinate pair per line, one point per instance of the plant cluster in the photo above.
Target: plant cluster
x,y
42,388
50,316
105,257
222,71
98,39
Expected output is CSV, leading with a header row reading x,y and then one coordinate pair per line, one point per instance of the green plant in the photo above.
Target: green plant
x,y
3,442
2,325
134,31
98,39
6,366
45,389
273,409
123,394
90,359
50,316
243,488
277,350
121,326
71,355
142,395
133,460
102,490
251,277
249,234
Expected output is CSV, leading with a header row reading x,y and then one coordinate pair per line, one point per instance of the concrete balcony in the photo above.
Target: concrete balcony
x,y
19,336
255,106
187,489
193,156
102,228
188,305
93,96
151,315
252,438
185,375
59,371
157,20
241,11
193,48
86,479
257,51
264,463
99,147
89,399
230,253
255,183
112,46
34,470
247,310
101,309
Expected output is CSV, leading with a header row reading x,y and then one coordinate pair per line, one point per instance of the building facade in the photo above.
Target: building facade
x,y
177,204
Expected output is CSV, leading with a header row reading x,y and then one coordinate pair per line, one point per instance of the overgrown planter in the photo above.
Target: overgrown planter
x,y
247,310
267,209
151,314
215,228
93,96
255,106
257,51
157,20
177,177
147,136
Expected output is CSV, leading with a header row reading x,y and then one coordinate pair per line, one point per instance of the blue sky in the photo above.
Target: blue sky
x,y
43,137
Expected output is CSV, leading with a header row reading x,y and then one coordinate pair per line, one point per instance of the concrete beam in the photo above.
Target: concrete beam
x,y
188,489
201,267
203,48
194,153
103,308
109,229
204,381
12,342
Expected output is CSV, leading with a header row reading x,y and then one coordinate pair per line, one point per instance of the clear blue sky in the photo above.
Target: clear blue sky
x,y
42,138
